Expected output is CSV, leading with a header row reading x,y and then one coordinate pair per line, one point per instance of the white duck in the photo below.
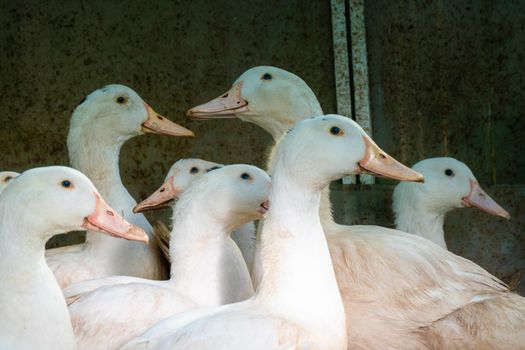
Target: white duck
x,y
185,171
40,203
298,304
99,127
207,266
395,286
6,177
420,208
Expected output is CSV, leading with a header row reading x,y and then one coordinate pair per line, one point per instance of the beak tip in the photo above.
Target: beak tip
x,y
138,209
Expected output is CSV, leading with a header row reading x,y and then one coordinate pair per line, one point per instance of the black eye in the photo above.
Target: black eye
x,y
245,176
266,76
121,100
213,168
9,178
194,170
449,172
66,184
334,130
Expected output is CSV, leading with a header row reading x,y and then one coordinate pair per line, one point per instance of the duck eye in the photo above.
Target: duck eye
x,y
334,130
245,176
121,100
213,168
449,172
66,184
194,170
266,76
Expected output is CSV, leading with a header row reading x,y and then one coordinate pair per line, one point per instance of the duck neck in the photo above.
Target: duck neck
x,y
297,269
325,208
22,250
205,260
414,215
98,158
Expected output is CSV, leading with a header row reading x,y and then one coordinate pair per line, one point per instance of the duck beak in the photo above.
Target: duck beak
x,y
225,106
159,198
106,220
378,162
481,200
157,124
264,207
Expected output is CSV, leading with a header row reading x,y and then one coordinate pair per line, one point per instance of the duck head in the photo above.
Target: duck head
x,y
449,184
269,97
326,148
230,196
119,111
56,199
179,177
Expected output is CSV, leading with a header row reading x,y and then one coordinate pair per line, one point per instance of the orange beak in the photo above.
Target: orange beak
x,y
481,200
159,198
378,162
225,106
157,124
106,220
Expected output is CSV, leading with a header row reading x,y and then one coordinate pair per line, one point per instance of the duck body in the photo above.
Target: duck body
x,y
207,266
99,127
424,288
372,263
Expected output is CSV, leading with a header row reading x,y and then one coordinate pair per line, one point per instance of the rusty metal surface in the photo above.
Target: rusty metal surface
x,y
175,54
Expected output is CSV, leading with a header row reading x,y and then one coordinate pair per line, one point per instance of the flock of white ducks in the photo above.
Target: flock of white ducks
x,y
314,284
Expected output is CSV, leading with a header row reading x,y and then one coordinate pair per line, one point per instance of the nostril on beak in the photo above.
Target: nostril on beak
x,y
225,95
163,189
110,213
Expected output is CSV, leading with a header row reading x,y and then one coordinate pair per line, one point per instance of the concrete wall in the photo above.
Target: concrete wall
x,y
446,78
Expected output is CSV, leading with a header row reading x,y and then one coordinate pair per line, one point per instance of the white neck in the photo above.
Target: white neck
x,y
22,250
285,117
325,208
298,277
34,313
413,215
206,264
97,156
